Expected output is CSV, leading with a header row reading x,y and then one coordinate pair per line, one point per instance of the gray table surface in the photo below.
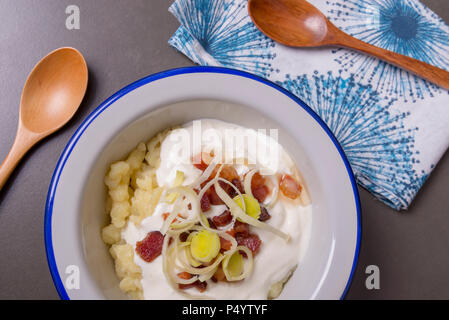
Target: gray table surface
x,y
125,40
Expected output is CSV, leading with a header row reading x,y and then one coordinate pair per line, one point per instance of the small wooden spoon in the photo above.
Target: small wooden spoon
x,y
297,23
52,94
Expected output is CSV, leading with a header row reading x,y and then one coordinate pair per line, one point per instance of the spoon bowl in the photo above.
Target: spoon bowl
x,y
297,23
52,94
53,91
287,18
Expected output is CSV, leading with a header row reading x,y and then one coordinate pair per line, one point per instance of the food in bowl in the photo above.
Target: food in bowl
x,y
209,210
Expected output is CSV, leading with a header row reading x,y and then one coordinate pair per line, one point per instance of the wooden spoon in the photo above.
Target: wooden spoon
x,y
52,94
297,23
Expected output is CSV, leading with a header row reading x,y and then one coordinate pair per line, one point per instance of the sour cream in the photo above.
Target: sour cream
x,y
276,258
228,140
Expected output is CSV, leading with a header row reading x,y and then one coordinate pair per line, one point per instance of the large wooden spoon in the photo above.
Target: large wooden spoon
x,y
52,94
297,23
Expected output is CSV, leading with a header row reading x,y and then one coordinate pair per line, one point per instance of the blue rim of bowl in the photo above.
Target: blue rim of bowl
x,y
166,74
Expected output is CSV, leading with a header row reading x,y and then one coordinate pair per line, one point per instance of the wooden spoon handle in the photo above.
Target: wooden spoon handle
x,y
23,142
424,70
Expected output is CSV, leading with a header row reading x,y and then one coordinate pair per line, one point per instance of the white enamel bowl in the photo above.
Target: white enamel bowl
x,y
75,210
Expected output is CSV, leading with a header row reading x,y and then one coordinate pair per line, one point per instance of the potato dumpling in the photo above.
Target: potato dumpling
x,y
119,173
133,194
120,193
124,261
111,234
120,211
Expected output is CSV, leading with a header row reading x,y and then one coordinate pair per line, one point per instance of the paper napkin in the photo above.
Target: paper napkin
x,y
393,126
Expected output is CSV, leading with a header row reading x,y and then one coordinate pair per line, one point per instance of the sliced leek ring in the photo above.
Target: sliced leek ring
x,y
169,257
233,265
234,268
251,204
190,259
204,246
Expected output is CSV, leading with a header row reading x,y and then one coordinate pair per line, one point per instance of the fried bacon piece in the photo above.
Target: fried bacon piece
x,y
229,173
213,196
200,286
219,275
225,245
259,188
183,236
211,223
251,241
264,215
151,247
210,196
241,228
238,184
185,275
231,232
223,219
257,180
202,165
201,161
205,203
289,187
260,193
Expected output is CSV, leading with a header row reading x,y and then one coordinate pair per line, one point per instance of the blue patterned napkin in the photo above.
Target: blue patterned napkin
x,y
393,126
